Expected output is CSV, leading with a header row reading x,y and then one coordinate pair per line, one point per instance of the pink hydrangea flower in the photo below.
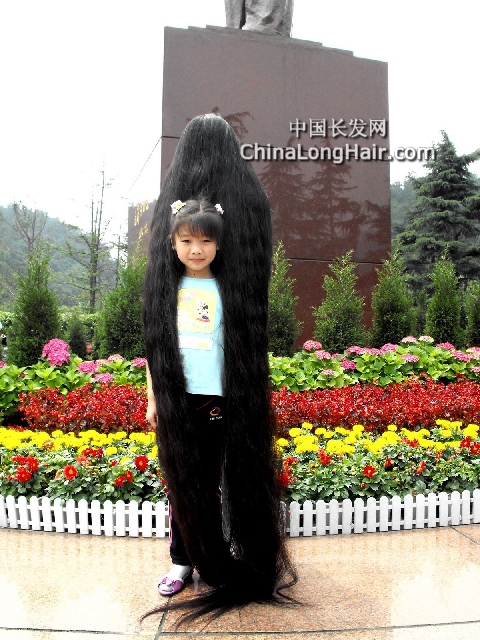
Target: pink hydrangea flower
x,y
354,349
115,356
56,352
426,339
446,345
139,362
312,345
2,364
388,347
475,369
88,367
103,378
371,351
459,355
348,364
323,355
409,357
409,339
328,372
101,362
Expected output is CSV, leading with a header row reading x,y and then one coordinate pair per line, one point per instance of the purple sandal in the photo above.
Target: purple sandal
x,y
168,587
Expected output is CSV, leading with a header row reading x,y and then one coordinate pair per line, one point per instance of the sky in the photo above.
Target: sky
x,y
82,88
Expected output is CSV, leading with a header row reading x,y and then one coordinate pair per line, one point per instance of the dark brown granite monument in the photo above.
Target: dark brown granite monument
x,y
314,123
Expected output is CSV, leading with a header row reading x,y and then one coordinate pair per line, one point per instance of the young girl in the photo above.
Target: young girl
x,y
226,439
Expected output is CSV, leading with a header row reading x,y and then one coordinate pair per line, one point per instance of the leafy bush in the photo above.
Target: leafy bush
x,y
36,319
76,337
472,312
392,304
338,321
283,327
443,310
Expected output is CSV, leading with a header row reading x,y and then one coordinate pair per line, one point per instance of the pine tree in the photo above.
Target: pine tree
x,y
338,323
392,304
472,312
446,216
283,326
76,337
35,318
120,328
443,309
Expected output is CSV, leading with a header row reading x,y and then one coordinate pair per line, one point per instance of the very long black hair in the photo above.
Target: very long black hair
x,y
253,563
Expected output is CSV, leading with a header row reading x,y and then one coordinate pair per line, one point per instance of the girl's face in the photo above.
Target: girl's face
x,y
195,252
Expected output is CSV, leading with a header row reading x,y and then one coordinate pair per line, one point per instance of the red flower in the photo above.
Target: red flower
x,y
369,471
475,448
70,472
388,462
120,481
129,476
113,463
23,474
32,464
324,459
141,462
284,479
421,467
465,443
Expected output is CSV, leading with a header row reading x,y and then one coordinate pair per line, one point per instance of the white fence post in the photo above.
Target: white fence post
x,y
307,518
294,519
3,513
347,514
371,515
47,514
358,518
466,507
96,514
321,519
455,508
475,510
109,525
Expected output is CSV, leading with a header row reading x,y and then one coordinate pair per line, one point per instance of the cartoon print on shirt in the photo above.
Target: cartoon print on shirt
x,y
202,311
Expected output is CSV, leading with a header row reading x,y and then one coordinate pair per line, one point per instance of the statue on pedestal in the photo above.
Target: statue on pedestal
x,y
273,17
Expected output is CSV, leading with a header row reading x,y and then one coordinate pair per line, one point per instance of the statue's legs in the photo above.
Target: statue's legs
x,y
267,16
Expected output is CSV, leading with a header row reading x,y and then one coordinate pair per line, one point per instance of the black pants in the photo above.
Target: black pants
x,y
207,418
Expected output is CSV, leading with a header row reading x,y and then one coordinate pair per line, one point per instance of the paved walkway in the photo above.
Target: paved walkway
x,y
415,585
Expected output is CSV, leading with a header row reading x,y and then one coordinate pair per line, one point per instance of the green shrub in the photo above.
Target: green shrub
x,y
392,304
443,309
120,328
76,337
472,313
338,321
35,316
283,326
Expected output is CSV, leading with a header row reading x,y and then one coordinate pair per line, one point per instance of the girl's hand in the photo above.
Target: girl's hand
x,y
151,412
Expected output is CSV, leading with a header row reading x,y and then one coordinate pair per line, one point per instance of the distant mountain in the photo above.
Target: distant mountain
x,y
65,270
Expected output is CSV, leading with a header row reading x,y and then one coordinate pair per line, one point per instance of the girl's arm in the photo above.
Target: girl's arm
x,y
151,407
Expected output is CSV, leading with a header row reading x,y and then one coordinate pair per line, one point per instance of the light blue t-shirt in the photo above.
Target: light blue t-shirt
x,y
200,334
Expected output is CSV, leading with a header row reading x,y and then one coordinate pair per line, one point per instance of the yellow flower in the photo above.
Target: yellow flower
x,y
471,431
307,425
392,427
342,431
358,428
282,442
110,451
350,439
446,433
295,432
306,447
329,434
120,435
320,431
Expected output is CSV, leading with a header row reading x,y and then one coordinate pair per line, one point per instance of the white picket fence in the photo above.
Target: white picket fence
x,y
310,518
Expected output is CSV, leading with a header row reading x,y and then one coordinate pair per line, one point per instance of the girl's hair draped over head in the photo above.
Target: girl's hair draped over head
x,y
253,565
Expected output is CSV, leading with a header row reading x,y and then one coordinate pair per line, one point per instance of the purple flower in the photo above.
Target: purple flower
x,y
328,372
56,352
103,378
459,355
323,355
115,356
139,362
409,339
311,345
409,357
88,367
446,345
348,364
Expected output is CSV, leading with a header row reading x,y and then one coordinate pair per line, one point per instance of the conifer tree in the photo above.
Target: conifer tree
x,y
120,327
472,312
338,323
443,310
36,319
446,216
283,326
392,304
77,338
